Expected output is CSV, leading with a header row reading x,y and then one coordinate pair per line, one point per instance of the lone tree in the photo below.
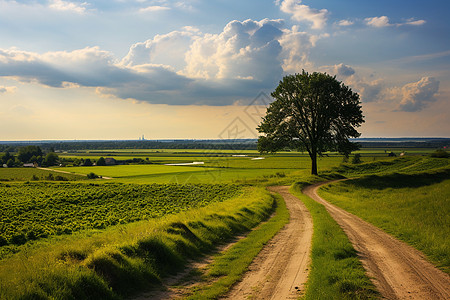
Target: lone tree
x,y
312,112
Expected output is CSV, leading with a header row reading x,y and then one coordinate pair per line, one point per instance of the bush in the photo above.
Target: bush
x,y
61,178
92,175
440,154
356,159
101,162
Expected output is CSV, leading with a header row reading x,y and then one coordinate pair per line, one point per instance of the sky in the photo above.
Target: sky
x,y
121,69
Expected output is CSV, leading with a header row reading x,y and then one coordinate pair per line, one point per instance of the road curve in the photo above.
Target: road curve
x,y
280,270
398,270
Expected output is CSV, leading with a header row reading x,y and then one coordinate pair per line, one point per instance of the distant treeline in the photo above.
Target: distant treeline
x,y
110,145
239,144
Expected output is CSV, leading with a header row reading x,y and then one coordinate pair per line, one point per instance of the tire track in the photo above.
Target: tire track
x,y
281,269
398,270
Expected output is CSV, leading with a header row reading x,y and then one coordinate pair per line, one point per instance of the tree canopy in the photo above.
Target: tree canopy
x,y
313,112
25,154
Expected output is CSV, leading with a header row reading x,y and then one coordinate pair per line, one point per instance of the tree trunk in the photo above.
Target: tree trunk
x,y
313,163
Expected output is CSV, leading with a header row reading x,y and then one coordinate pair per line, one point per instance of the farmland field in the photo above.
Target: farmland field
x,y
214,169
97,229
25,174
32,211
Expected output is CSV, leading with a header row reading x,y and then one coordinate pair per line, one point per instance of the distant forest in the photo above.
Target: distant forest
x,y
239,144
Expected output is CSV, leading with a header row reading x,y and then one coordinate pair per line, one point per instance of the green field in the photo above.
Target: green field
x,y
32,211
25,174
94,234
214,169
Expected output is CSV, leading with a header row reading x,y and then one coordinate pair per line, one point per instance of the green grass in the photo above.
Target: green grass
x,y
130,258
413,207
336,272
215,170
228,267
127,171
26,174
389,165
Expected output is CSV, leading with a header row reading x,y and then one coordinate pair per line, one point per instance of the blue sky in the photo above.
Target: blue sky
x,y
189,69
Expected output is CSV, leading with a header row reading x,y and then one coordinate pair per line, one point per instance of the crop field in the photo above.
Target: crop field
x,y
36,210
25,174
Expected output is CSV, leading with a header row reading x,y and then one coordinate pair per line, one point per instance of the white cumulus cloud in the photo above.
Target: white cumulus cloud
x,y
304,13
417,95
344,23
154,8
62,5
166,49
384,21
182,67
248,49
296,47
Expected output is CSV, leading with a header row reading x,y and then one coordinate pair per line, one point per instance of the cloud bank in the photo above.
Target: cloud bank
x,y
411,97
181,67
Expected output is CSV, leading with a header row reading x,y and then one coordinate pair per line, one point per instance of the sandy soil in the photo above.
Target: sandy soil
x,y
281,268
398,270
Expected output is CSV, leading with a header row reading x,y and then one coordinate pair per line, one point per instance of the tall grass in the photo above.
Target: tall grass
x,y
128,258
336,272
413,207
408,164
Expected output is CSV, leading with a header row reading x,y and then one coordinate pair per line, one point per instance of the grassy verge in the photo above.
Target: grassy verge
x,y
126,259
413,207
336,272
408,164
228,267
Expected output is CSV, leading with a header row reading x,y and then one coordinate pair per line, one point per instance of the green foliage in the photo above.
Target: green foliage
x,y
87,162
314,112
10,163
127,259
101,161
24,174
92,175
336,272
356,159
440,154
6,157
51,159
44,209
413,207
26,153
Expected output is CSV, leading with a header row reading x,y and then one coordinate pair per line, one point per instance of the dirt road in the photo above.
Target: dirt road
x,y
398,270
280,270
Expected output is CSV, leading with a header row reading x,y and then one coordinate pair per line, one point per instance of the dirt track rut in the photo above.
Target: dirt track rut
x,y
398,270
281,269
